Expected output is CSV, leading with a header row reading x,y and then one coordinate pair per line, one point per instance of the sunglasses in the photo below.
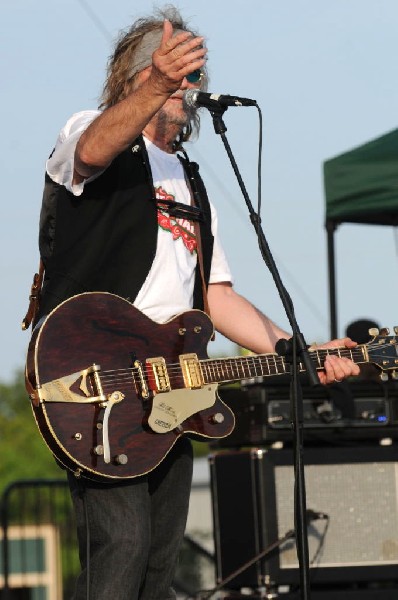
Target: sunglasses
x,y
195,76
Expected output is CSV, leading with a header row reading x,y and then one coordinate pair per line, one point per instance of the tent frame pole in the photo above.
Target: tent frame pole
x,y
331,226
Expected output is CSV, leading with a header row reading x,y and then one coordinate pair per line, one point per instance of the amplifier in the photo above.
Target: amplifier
x,y
338,412
354,489
366,412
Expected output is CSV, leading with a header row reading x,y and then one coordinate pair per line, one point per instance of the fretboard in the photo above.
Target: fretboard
x,y
222,370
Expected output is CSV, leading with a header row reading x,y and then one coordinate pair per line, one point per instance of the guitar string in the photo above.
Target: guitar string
x,y
239,363
214,368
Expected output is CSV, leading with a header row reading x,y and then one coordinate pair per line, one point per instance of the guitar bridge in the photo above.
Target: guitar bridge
x,y
144,391
191,372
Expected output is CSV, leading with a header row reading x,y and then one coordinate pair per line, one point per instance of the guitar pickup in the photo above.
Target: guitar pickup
x,y
158,378
191,372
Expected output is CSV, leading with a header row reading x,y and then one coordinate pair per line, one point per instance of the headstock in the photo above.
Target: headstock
x,y
382,351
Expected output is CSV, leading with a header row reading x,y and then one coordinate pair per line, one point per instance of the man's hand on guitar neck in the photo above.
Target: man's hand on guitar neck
x,y
337,368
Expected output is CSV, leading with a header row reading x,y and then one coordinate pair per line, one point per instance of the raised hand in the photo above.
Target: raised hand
x,y
176,57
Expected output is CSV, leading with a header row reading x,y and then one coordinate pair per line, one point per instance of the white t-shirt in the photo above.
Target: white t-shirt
x,y
168,288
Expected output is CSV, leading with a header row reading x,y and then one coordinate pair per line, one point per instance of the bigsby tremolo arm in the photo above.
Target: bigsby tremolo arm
x,y
112,399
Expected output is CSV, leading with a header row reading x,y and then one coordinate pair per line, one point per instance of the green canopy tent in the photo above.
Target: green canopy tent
x,y
361,186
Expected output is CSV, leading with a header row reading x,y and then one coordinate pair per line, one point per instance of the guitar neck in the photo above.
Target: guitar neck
x,y
223,370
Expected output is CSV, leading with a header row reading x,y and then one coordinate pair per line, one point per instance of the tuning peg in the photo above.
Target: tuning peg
x,y
384,331
394,374
373,331
396,330
384,376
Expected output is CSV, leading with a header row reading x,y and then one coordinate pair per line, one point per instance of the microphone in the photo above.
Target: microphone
x,y
196,99
313,515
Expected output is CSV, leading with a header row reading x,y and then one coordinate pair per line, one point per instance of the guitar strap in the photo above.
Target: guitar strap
x,y
34,297
200,260
195,201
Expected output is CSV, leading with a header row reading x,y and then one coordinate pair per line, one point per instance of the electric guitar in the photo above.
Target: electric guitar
x,y
112,391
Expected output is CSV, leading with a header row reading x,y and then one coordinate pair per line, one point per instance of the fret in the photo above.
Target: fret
x,y
235,368
235,372
222,372
318,358
255,364
210,366
211,371
243,364
271,364
204,366
267,365
260,367
249,366
218,370
230,369
215,370
239,368
280,367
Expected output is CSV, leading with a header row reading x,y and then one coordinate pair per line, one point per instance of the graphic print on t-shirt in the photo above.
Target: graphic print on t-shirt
x,y
179,228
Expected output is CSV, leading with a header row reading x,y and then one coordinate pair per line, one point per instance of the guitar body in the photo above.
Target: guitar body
x,y
105,330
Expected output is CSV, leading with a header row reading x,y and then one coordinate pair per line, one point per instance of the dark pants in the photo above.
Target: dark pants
x,y
135,530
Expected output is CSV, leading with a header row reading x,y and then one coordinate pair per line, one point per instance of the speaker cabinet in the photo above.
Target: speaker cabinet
x,y
252,498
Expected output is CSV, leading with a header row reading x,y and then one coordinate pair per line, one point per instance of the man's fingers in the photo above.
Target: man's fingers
x,y
178,45
189,62
167,33
170,42
174,65
338,343
337,369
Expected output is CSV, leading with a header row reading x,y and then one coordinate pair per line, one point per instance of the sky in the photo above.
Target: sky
x,y
325,77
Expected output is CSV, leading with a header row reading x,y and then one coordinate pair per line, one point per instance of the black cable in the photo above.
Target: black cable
x,y
95,19
259,164
321,544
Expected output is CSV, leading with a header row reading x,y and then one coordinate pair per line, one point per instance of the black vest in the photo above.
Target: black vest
x,y
105,239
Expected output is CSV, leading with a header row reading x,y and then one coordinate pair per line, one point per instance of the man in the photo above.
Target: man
x,y
107,224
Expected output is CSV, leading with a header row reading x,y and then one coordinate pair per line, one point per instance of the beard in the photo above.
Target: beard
x,y
170,124
173,114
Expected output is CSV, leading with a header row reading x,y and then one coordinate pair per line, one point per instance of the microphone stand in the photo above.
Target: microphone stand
x,y
288,535
295,350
